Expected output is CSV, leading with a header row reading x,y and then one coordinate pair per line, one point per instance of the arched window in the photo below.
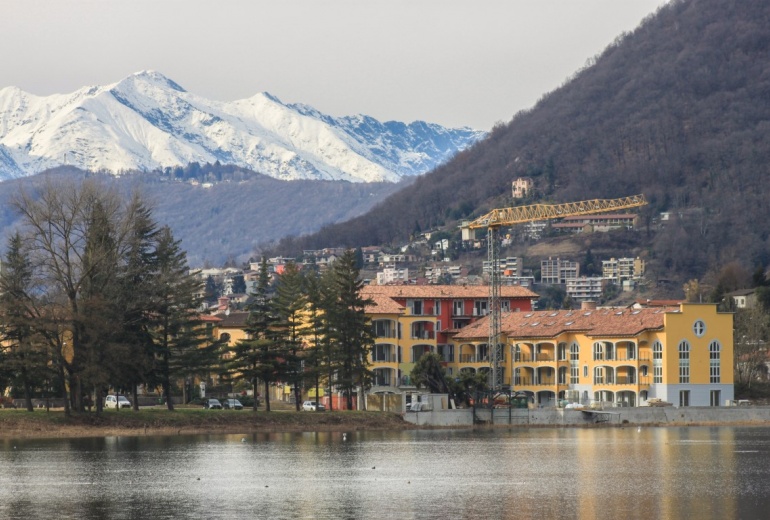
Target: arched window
x,y
714,362
224,337
598,351
684,362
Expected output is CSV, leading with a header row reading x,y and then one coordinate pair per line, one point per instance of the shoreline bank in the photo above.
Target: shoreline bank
x,y
153,422
40,424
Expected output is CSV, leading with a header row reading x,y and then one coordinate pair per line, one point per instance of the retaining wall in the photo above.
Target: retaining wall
x,y
668,415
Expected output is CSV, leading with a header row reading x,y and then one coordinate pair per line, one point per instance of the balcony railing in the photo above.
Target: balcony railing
x,y
537,358
384,381
423,334
387,358
621,357
385,333
473,358
546,381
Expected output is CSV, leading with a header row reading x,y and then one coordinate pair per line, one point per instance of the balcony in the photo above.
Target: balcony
x,y
548,381
423,334
385,358
473,358
537,358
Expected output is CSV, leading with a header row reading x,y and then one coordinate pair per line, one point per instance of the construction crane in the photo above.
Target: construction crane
x,y
498,218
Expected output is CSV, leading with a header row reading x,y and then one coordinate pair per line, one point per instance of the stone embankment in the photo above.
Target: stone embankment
x,y
643,416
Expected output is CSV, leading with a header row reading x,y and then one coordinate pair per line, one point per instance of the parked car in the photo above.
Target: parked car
x,y
115,401
232,404
212,404
312,406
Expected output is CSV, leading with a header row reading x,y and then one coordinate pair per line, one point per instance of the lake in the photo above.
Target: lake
x,y
696,472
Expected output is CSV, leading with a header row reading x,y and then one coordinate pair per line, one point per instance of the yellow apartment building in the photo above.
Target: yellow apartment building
x,y
682,355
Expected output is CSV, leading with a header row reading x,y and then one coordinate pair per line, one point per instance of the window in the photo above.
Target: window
x,y
574,366
714,363
447,353
684,398
415,306
657,350
657,363
585,370
458,308
562,375
437,307
598,351
383,329
480,308
505,305
684,362
599,375
562,352
644,370
699,328
381,353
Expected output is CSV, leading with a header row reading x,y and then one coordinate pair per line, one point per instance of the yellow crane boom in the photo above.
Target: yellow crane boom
x,y
522,214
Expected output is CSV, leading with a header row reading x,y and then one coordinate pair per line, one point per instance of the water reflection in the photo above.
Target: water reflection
x,y
539,473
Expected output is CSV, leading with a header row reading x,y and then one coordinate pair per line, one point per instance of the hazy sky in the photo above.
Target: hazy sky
x,y
457,63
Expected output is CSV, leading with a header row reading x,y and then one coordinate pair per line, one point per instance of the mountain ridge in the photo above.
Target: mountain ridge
x,y
147,121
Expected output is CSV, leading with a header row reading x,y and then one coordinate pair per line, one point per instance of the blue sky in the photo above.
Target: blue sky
x,y
456,63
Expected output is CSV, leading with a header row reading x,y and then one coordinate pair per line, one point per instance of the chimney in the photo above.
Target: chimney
x,y
588,306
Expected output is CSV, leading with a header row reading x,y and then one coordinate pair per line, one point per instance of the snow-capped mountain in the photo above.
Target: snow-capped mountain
x,y
147,121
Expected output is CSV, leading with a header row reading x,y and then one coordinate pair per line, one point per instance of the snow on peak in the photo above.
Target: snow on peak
x,y
147,121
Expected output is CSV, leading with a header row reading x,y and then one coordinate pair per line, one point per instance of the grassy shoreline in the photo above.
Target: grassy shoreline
x,y
157,421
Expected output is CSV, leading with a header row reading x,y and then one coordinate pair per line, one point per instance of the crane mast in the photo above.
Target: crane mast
x,y
498,218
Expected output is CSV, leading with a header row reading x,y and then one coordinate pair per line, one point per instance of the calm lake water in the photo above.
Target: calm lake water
x,y
699,473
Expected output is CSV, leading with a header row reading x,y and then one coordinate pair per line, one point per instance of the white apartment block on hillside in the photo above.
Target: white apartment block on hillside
x,y
585,288
619,270
392,275
557,271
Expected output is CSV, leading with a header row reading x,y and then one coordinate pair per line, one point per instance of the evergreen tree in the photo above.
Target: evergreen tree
x,y
24,354
181,341
288,307
314,333
350,327
136,292
258,358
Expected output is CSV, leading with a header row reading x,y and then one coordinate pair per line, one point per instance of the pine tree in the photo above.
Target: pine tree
x,y
315,333
288,307
181,341
257,358
350,328
24,353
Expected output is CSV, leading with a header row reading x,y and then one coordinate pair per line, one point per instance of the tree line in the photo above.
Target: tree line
x,y
96,295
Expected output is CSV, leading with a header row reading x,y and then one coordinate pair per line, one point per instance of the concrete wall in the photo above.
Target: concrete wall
x,y
667,415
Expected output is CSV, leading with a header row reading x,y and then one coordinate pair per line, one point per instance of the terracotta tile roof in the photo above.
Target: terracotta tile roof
x,y
209,317
382,304
658,303
445,291
549,324
234,319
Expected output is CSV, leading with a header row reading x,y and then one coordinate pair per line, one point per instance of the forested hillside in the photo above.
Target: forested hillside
x,y
229,210
678,110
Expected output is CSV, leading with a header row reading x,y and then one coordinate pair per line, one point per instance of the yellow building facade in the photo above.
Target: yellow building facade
x,y
625,357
